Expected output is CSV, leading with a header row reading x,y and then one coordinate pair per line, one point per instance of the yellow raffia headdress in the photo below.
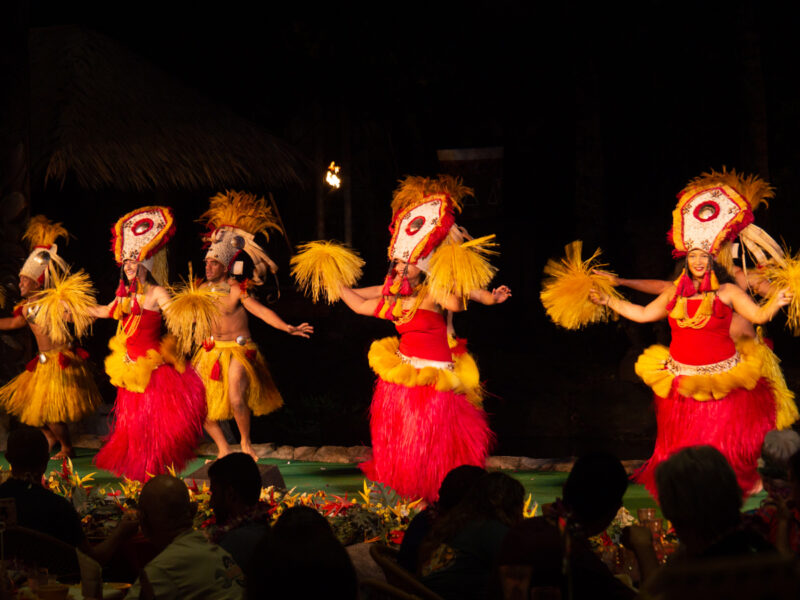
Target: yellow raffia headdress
x,y
43,261
565,293
234,219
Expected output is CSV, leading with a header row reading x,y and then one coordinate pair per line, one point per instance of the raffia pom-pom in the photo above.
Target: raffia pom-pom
x,y
786,276
456,269
565,292
192,312
321,268
68,299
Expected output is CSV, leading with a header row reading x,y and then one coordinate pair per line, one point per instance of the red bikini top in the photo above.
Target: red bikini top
x,y
425,336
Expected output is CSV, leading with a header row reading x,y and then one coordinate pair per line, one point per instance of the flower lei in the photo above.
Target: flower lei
x,y
259,513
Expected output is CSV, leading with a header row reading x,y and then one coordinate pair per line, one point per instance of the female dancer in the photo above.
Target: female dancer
x,y
160,406
426,416
708,389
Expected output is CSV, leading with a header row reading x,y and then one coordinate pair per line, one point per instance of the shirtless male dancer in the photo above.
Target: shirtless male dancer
x,y
56,386
235,374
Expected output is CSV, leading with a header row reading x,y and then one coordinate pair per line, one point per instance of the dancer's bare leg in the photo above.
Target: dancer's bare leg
x,y
51,439
60,431
237,389
216,433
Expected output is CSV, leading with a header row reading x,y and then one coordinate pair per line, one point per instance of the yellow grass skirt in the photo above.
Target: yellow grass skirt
x,y
213,365
757,361
389,366
60,389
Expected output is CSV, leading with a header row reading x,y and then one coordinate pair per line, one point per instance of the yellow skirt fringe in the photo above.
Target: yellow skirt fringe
x,y
262,395
463,379
757,361
50,393
135,375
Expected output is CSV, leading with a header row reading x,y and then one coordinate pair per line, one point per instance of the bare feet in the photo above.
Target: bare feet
x,y
64,453
247,448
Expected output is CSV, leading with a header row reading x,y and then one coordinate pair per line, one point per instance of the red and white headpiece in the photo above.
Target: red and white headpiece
x,y
41,235
234,219
716,208
141,235
423,215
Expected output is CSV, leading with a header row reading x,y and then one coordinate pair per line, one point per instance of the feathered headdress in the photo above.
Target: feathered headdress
x,y
712,211
425,234
141,236
715,208
43,261
234,219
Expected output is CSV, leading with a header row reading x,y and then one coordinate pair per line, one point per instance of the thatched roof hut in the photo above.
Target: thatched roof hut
x,y
113,121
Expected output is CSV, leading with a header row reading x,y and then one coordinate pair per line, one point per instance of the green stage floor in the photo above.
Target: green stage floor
x,y
340,479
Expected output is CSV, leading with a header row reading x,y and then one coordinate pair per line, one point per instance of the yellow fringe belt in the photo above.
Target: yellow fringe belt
x,y
134,375
756,361
385,360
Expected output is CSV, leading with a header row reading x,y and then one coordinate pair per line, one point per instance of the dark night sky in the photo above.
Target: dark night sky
x,y
604,111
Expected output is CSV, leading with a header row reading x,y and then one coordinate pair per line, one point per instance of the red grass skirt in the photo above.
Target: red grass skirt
x,y
735,425
420,434
155,429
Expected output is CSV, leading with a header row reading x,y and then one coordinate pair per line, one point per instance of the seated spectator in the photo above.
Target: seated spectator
x,y
455,486
458,555
241,520
188,565
778,516
45,511
555,548
698,492
302,558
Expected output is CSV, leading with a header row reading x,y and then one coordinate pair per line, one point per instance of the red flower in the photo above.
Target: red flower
x,y
396,536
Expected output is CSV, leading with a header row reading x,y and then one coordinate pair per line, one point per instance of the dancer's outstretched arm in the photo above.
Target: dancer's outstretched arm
x,y
101,311
647,286
15,322
497,296
736,297
359,305
270,317
655,311
368,293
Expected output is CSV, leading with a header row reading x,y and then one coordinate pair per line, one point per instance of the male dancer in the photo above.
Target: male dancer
x,y
56,386
234,372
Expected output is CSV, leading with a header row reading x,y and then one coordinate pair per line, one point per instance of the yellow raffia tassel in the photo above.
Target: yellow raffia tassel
x,y
786,276
785,408
160,270
458,269
67,300
565,293
320,268
192,313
